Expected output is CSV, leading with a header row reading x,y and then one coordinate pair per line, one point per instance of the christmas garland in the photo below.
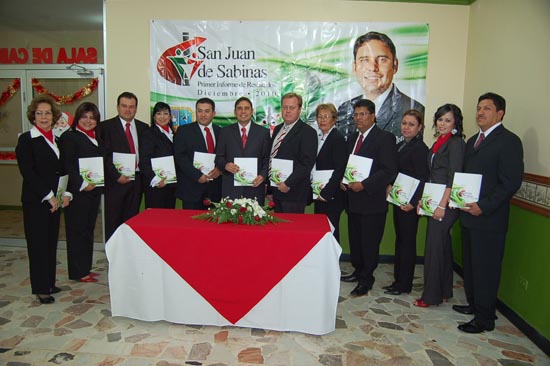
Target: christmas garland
x,y
12,88
69,98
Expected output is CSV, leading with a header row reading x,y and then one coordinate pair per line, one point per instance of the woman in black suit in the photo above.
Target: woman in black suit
x,y
331,155
156,142
444,159
413,154
80,217
38,158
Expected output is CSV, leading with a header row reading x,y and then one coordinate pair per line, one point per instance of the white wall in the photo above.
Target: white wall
x,y
127,53
509,53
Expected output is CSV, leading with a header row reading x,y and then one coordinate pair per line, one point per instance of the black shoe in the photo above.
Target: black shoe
x,y
349,278
393,291
55,290
463,309
474,327
45,299
389,287
360,290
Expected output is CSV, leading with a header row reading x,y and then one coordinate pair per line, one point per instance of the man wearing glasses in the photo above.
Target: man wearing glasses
x,y
366,200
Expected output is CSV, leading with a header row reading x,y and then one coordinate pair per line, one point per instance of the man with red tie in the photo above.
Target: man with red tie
x,y
195,186
244,139
366,200
497,154
121,135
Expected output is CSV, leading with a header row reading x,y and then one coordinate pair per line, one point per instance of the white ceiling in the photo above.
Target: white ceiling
x,y
51,15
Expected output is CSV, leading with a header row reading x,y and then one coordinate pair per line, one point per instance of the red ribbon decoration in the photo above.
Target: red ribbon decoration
x,y
12,88
69,98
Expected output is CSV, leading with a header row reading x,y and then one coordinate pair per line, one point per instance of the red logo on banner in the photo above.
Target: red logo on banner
x,y
178,64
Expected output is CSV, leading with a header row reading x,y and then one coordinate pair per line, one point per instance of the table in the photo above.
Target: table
x,y
164,265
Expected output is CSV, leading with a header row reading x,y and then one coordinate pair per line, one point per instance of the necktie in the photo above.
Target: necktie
x,y
209,141
243,137
479,139
359,143
130,138
276,146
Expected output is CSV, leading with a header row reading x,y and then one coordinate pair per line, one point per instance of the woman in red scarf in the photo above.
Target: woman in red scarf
x,y
444,159
38,159
157,142
80,217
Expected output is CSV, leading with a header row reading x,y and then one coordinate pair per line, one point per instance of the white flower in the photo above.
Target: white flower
x,y
233,211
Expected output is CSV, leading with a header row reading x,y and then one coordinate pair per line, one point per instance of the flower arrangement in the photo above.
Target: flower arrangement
x,y
239,211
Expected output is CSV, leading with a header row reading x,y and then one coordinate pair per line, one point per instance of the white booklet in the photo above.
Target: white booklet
x,y
91,170
125,164
164,168
61,188
432,195
402,189
357,169
319,180
248,171
281,169
466,188
204,162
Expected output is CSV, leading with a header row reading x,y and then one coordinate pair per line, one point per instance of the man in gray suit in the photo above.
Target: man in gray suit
x,y
243,139
374,65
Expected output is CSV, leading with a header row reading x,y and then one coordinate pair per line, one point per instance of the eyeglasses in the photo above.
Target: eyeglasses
x,y
324,116
361,114
40,113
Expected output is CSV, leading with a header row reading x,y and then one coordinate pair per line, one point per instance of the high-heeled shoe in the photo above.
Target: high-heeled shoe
x,y
88,279
421,304
45,299
93,274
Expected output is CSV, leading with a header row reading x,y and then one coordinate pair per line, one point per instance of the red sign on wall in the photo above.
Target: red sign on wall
x,y
49,55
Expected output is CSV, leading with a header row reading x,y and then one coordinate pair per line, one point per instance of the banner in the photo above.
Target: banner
x,y
224,60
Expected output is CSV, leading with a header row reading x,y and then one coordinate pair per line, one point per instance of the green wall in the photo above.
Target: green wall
x,y
525,282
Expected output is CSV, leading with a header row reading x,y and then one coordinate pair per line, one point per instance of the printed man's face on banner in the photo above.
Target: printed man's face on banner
x,y
374,68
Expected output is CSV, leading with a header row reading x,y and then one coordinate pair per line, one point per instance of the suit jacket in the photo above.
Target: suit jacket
x,y
388,117
39,165
187,140
332,156
499,158
379,146
114,139
413,162
75,145
300,146
153,144
448,160
230,146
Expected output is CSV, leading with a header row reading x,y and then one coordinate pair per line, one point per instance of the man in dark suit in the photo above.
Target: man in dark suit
x,y
121,134
366,200
496,154
293,140
243,139
195,186
374,65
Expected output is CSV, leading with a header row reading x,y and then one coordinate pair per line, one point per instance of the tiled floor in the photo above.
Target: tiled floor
x,y
373,330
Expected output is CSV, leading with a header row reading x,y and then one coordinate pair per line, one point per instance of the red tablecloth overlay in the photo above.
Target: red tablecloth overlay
x,y
242,264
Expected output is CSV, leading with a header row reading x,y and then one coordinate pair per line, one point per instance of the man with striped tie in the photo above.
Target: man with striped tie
x,y
296,141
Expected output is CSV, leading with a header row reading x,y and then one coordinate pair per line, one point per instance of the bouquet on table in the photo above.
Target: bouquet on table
x,y
239,211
